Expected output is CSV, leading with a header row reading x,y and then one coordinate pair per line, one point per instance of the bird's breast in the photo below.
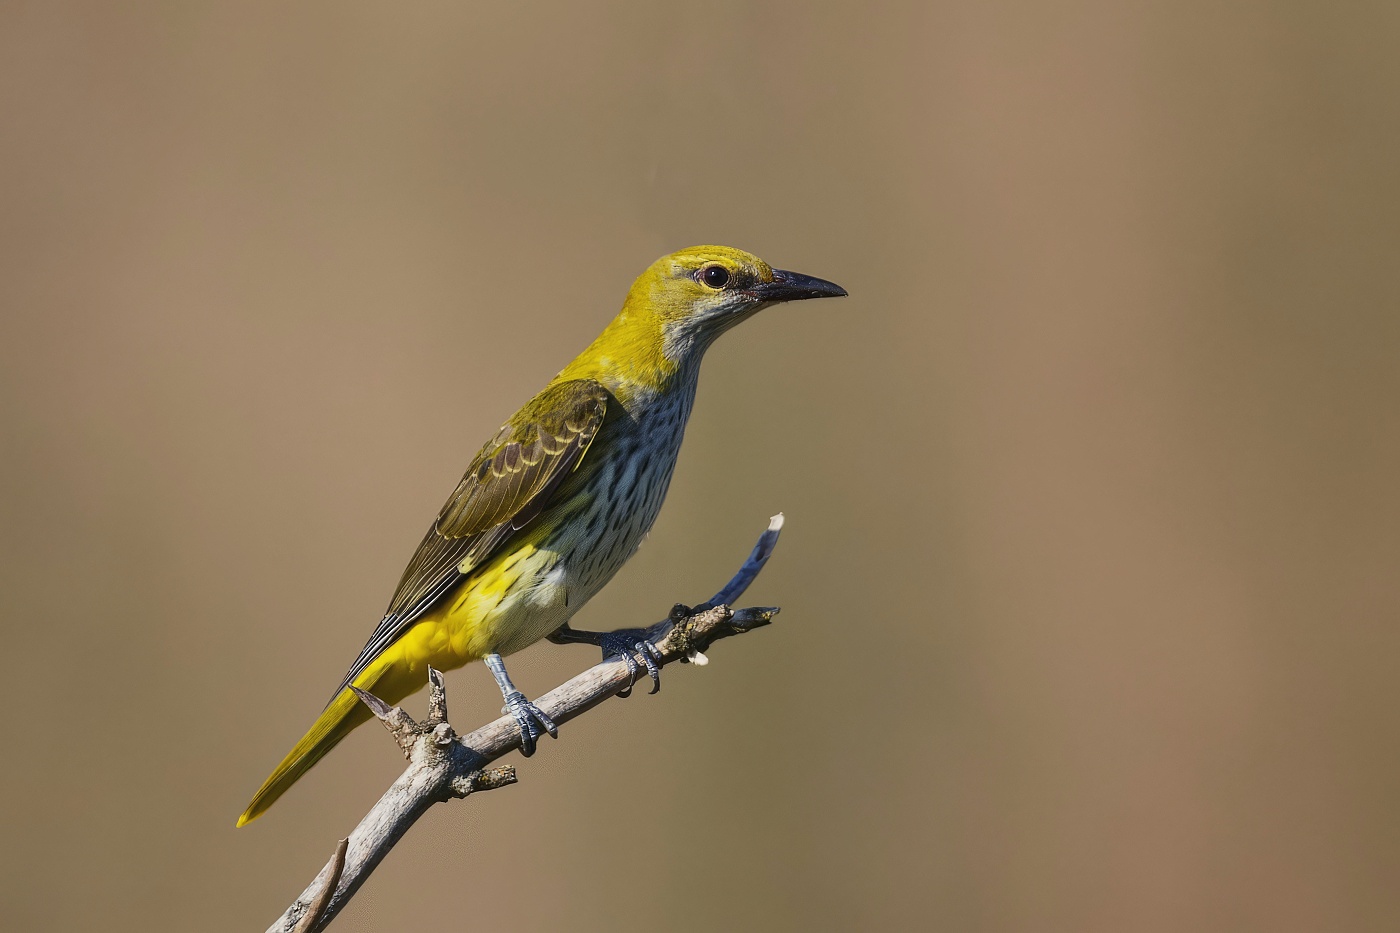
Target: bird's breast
x,y
595,523
619,497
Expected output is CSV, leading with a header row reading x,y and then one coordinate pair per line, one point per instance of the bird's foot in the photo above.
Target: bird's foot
x,y
532,721
628,642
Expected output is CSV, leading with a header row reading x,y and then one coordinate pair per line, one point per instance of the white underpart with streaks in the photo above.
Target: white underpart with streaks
x,y
619,498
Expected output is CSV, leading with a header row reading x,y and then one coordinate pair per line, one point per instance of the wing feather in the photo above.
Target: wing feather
x,y
506,486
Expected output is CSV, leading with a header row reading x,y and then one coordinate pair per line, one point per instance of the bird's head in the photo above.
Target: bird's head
x,y
697,294
676,309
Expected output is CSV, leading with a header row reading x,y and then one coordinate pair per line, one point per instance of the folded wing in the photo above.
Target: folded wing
x,y
507,485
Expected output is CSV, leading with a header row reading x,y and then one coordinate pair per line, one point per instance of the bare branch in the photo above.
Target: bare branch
x,y
317,908
749,572
443,766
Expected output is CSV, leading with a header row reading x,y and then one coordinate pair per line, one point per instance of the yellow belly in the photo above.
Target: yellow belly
x,y
505,606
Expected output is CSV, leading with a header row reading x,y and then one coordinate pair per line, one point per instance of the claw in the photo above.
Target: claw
x,y
624,644
529,718
651,657
631,672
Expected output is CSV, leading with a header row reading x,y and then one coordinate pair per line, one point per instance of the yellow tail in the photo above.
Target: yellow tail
x,y
339,720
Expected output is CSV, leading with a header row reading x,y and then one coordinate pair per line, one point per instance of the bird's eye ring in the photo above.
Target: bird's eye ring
x,y
715,276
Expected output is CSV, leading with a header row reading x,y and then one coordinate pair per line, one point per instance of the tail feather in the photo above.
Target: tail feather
x,y
343,714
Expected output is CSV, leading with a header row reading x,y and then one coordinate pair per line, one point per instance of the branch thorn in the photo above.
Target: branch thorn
x,y
378,707
317,908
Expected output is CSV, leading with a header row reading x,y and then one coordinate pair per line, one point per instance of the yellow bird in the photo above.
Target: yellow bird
x,y
556,502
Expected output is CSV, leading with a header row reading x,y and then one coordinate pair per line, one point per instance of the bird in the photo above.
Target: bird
x,y
555,503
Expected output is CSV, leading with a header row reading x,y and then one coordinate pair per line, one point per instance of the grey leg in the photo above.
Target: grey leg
x,y
531,719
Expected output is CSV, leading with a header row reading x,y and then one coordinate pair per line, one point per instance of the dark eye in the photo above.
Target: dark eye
x,y
714,276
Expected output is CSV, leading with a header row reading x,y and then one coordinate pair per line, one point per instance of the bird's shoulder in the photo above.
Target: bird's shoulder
x,y
531,453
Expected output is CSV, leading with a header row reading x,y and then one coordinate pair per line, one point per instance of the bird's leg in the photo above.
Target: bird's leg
x,y
530,717
623,643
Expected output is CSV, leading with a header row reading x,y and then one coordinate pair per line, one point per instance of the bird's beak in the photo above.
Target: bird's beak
x,y
794,286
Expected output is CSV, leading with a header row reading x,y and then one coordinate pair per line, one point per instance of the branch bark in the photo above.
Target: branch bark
x,y
443,766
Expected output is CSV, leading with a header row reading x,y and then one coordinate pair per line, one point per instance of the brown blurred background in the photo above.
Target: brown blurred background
x,y
1092,480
